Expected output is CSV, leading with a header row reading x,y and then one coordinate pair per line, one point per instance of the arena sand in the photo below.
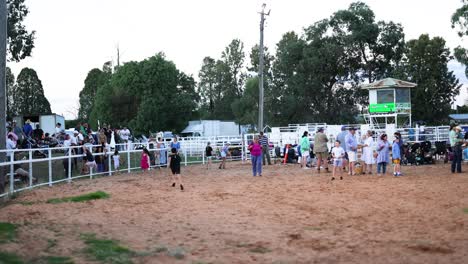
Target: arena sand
x,y
288,215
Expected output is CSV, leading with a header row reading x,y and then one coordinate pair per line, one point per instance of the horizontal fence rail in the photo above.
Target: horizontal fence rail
x,y
26,169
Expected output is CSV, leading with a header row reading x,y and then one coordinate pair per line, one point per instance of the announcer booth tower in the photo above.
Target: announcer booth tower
x,y
389,103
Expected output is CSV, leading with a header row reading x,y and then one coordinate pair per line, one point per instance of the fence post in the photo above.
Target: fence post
x,y
30,168
185,157
128,160
203,157
12,171
69,164
109,157
49,155
167,157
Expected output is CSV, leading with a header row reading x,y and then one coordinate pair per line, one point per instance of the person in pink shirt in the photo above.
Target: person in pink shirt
x,y
256,157
13,135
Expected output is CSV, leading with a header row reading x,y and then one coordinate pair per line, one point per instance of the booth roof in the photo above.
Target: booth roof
x,y
459,117
388,83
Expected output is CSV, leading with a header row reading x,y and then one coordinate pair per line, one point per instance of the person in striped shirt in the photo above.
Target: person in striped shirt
x,y
265,148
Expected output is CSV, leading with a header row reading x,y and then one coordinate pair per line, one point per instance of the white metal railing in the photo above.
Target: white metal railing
x,y
50,175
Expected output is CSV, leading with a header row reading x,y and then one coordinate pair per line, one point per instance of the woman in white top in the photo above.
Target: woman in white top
x,y
368,152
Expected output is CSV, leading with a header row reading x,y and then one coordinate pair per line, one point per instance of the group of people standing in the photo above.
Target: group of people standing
x,y
343,155
373,152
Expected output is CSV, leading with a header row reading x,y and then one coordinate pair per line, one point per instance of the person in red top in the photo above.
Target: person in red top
x,y
256,157
145,160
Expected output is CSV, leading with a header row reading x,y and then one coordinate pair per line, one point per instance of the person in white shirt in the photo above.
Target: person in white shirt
x,y
73,140
10,145
338,154
67,143
58,128
124,135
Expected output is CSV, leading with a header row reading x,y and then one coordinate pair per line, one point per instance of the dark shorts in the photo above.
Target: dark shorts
x,y
175,170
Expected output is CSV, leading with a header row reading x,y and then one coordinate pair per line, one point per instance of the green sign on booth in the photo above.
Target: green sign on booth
x,y
382,108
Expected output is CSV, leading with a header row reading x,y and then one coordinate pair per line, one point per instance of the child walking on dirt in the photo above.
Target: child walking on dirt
x,y
145,160
338,154
175,168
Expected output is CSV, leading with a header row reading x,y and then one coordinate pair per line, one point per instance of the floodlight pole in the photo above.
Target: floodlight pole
x,y
3,46
260,69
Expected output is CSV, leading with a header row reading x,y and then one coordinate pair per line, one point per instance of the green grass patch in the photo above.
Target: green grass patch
x,y
7,232
160,249
54,260
51,243
465,210
260,249
106,250
241,245
10,258
80,198
177,253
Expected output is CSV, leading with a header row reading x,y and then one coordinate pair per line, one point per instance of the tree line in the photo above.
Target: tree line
x,y
314,76
25,94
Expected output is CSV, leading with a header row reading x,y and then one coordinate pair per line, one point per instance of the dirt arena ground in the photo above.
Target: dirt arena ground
x,y
288,215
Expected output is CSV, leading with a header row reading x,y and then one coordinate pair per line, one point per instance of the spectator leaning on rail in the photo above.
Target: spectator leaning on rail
x,y
263,140
321,149
456,144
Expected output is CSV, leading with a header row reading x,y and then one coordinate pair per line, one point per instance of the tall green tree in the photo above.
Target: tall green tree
x,y
222,82
426,64
208,87
460,20
20,41
286,90
245,108
94,80
316,76
149,96
29,97
233,57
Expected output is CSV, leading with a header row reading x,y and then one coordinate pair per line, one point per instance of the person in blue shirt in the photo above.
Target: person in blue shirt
x,y
27,128
396,157
351,149
175,144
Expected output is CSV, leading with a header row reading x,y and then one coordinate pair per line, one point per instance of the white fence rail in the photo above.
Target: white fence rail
x,y
26,169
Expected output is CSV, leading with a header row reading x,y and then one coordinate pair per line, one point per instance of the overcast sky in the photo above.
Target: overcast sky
x,y
75,36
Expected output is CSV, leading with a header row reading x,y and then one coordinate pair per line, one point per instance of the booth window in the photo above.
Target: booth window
x,y
385,96
402,95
